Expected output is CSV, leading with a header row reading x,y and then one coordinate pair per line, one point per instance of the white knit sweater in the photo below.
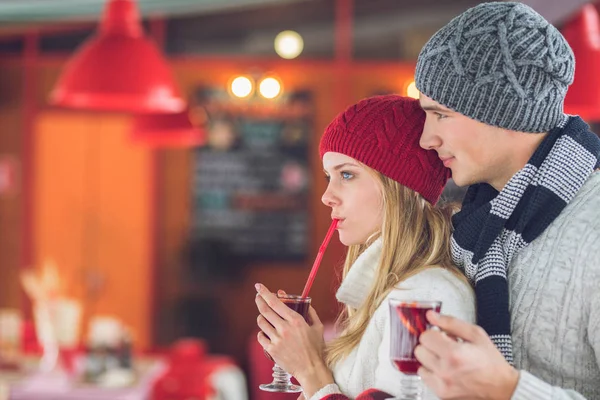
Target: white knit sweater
x,y
555,304
369,365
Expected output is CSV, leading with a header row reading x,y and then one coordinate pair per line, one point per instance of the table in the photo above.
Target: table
x,y
225,377
57,385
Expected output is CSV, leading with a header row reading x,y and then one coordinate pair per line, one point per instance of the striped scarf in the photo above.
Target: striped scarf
x,y
493,226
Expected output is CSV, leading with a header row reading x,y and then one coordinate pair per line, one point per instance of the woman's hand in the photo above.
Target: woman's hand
x,y
295,345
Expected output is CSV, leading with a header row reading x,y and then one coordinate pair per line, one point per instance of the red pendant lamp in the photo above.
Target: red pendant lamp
x,y
118,69
583,35
166,131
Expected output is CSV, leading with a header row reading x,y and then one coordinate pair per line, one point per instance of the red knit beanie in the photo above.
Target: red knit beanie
x,y
383,133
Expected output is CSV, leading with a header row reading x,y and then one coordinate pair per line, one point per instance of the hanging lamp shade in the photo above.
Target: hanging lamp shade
x,y
166,131
583,35
118,69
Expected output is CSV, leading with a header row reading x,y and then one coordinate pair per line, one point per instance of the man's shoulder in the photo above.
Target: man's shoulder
x,y
590,190
583,212
576,231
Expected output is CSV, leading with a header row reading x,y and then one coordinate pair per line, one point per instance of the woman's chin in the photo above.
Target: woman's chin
x,y
343,238
349,241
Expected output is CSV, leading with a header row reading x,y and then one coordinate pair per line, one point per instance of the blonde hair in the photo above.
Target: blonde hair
x,y
416,236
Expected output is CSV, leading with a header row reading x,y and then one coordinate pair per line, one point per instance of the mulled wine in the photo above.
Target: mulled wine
x,y
297,304
281,379
408,321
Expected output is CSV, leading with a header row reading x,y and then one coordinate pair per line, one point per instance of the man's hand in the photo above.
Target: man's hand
x,y
461,362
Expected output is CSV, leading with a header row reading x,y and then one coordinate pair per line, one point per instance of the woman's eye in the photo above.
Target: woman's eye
x,y
346,175
440,116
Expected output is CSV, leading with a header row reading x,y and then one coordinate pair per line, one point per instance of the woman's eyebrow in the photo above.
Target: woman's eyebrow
x,y
340,166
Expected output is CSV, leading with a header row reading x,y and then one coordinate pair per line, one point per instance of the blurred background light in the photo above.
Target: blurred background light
x,y
270,88
289,44
242,86
412,91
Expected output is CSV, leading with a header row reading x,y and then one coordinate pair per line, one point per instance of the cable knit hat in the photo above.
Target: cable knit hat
x,y
500,63
383,133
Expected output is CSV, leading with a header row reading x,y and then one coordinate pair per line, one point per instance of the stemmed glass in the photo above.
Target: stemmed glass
x,y
281,379
408,321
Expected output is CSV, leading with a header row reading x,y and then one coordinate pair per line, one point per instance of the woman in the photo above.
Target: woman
x,y
382,187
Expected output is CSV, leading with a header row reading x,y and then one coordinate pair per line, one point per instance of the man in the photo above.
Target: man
x,y
493,83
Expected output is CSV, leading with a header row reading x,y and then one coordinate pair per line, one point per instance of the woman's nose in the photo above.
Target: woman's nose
x,y
328,198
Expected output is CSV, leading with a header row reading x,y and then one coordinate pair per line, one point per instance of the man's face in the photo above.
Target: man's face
x,y
474,151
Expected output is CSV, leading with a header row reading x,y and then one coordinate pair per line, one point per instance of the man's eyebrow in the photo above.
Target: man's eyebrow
x,y
434,107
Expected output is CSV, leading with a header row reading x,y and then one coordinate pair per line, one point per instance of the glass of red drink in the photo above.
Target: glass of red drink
x,y
281,379
407,322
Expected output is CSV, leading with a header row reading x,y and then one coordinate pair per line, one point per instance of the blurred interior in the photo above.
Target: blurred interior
x,y
163,226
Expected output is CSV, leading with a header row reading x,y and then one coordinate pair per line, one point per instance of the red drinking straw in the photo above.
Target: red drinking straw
x,y
315,267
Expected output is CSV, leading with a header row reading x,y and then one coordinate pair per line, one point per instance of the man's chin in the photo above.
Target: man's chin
x,y
460,181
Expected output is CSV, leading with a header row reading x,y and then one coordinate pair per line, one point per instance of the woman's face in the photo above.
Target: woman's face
x,y
355,197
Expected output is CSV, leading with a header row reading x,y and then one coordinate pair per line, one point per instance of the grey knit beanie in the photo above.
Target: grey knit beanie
x,y
499,63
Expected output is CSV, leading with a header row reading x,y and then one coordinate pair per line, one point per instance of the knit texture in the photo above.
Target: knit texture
x,y
383,133
368,365
500,63
492,227
555,304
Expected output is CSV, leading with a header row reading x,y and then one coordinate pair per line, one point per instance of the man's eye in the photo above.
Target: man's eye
x,y
440,116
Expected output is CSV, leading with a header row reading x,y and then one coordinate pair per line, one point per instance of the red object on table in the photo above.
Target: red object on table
x,y
371,394
30,344
67,358
185,377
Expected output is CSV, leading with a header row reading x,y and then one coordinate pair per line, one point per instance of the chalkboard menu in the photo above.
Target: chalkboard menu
x,y
251,180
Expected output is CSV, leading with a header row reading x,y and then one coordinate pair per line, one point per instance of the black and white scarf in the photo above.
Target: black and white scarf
x,y
493,226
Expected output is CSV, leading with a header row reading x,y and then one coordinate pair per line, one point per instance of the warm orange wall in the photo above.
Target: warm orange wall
x,y
92,213
10,205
